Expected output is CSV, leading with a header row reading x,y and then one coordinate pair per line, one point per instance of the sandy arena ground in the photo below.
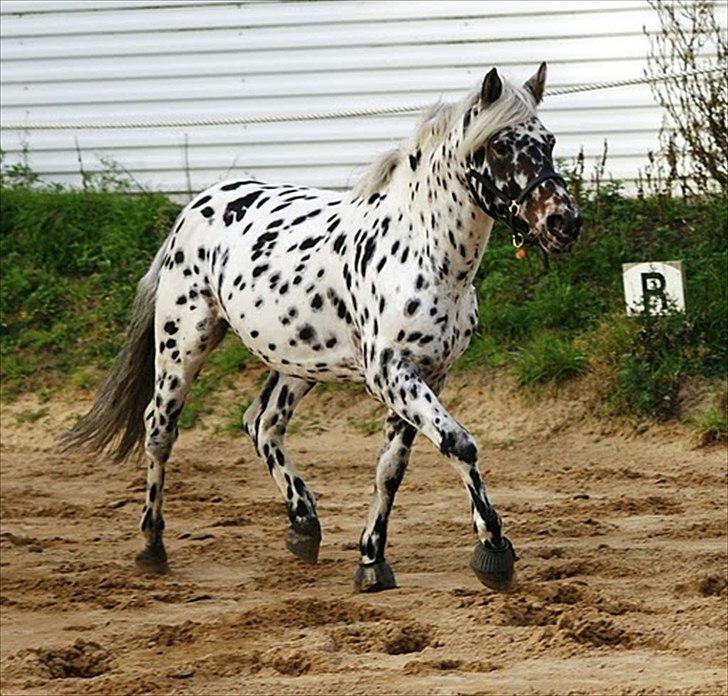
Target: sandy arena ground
x,y
622,577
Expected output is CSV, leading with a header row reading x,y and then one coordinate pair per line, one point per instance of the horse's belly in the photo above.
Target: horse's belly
x,y
294,337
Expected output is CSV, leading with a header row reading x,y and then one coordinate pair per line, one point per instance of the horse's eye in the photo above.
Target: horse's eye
x,y
500,149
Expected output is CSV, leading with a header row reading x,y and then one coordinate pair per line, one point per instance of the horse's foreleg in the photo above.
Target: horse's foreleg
x,y
399,385
265,422
374,573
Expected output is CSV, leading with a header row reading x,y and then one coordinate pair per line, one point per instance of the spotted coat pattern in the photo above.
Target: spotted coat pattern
x,y
369,286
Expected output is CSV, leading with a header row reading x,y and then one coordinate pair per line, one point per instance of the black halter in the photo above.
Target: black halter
x,y
514,206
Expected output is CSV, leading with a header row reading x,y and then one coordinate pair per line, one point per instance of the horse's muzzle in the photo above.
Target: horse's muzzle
x,y
562,231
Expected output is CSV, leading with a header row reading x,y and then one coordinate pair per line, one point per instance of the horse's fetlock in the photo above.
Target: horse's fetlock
x,y
152,526
301,510
492,522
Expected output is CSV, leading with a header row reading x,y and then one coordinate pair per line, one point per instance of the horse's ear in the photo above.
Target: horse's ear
x,y
492,88
537,83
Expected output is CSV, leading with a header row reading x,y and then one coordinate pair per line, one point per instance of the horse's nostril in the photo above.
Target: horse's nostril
x,y
564,226
555,223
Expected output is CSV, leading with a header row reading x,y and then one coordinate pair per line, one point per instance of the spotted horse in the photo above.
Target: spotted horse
x,y
372,285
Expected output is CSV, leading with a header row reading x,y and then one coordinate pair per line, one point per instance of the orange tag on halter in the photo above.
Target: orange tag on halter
x,y
520,253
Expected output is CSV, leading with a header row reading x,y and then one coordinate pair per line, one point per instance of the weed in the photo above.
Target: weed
x,y
652,370
29,416
548,358
82,379
69,265
366,426
484,351
335,387
230,357
306,421
710,427
195,405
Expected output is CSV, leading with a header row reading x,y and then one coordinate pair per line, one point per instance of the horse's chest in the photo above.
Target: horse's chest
x,y
429,328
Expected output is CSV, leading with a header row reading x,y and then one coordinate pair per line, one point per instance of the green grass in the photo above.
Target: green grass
x,y
29,416
234,421
366,426
70,262
548,358
710,427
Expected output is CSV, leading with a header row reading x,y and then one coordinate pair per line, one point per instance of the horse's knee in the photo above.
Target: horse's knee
x,y
459,444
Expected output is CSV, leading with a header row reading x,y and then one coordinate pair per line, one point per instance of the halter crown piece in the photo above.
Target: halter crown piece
x,y
514,205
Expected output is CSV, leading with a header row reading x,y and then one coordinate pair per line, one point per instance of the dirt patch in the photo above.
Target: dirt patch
x,y
434,667
409,638
713,585
292,665
81,660
179,634
525,612
621,583
393,638
594,630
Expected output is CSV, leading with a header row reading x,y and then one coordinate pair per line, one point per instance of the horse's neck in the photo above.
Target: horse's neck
x,y
452,231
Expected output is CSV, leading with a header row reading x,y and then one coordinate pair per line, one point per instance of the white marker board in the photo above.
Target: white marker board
x,y
654,287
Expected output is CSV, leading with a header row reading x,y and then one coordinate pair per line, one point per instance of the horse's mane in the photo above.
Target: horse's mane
x,y
515,105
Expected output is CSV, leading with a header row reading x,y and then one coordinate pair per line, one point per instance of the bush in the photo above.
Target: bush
x,y
694,141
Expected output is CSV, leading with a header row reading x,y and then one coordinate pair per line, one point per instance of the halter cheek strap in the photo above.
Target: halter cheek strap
x,y
514,205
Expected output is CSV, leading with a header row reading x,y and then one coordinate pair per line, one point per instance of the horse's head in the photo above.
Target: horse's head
x,y
511,175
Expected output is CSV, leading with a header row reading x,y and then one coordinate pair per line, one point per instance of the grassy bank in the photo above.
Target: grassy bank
x,y
551,325
71,260
69,266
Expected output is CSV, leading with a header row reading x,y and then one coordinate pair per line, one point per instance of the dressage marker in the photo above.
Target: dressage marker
x,y
654,288
372,285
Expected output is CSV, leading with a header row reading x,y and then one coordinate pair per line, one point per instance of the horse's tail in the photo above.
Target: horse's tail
x,y
117,416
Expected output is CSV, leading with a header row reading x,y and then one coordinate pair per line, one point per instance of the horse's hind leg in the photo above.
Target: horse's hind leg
x,y
265,422
374,573
185,335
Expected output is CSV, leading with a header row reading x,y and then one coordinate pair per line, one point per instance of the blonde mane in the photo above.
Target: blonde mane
x,y
515,105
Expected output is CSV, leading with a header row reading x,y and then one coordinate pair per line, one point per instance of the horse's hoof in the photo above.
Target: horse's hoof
x,y
494,565
152,559
374,577
304,539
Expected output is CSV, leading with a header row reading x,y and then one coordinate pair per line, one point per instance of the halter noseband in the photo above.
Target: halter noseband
x,y
514,205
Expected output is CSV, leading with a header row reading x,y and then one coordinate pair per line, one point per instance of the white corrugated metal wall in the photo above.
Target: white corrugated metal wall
x,y
151,59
